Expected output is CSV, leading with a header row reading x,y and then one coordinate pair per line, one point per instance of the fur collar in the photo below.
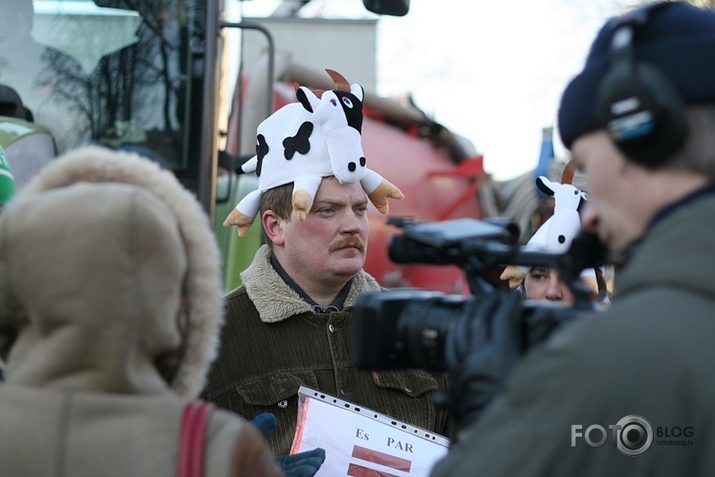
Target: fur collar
x,y
276,301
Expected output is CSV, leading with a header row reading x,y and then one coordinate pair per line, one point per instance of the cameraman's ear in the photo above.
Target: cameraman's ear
x,y
273,227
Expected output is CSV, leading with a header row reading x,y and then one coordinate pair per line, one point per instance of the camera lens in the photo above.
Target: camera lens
x,y
423,328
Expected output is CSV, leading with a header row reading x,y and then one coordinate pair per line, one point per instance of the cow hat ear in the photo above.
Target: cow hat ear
x,y
358,91
307,98
546,186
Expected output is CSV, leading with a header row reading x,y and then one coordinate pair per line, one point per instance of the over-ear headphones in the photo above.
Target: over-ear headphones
x,y
636,103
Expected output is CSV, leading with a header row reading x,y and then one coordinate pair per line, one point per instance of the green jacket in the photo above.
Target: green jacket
x,y
650,354
273,342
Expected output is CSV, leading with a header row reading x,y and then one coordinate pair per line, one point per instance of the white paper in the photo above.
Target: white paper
x,y
360,442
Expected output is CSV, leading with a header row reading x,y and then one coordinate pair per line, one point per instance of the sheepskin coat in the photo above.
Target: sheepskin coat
x,y
273,342
110,306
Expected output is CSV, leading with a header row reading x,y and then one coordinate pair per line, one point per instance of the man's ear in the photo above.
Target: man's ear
x,y
273,227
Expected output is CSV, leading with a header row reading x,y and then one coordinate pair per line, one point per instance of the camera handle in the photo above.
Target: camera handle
x,y
586,251
474,268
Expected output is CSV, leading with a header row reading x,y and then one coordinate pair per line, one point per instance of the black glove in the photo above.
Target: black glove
x,y
480,353
303,464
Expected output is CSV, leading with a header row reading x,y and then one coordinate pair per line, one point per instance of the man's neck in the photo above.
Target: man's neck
x,y
314,292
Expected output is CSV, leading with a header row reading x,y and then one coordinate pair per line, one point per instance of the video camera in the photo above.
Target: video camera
x,y
408,328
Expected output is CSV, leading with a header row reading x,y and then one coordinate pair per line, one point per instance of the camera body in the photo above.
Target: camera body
x,y
409,328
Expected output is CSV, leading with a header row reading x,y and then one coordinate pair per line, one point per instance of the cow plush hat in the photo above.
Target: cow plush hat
x,y
556,234
319,136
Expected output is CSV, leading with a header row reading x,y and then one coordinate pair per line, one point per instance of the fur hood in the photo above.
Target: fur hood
x,y
109,279
275,300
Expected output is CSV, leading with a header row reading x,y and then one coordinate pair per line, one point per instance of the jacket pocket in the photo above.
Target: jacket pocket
x,y
276,393
275,388
412,383
408,397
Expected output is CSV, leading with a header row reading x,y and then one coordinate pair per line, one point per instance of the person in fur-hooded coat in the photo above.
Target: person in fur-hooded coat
x,y
110,307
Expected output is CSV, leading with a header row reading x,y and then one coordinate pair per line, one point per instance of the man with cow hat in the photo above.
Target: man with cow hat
x,y
289,324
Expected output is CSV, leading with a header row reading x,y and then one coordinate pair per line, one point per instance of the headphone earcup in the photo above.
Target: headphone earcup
x,y
643,113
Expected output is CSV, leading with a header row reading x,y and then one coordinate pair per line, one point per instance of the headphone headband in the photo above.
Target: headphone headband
x,y
636,103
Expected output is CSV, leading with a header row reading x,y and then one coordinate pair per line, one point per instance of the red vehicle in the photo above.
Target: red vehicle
x,y
152,77
439,173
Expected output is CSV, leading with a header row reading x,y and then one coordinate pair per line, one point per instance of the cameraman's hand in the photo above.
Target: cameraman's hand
x,y
481,352
303,464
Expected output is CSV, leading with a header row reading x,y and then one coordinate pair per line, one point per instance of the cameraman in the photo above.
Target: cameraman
x,y
630,392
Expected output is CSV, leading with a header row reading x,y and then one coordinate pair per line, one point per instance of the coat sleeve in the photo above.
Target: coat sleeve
x,y
252,457
527,430
236,448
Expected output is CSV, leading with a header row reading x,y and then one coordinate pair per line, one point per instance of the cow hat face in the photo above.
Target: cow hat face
x,y
338,117
302,142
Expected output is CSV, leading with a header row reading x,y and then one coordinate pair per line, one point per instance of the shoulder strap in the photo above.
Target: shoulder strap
x,y
192,438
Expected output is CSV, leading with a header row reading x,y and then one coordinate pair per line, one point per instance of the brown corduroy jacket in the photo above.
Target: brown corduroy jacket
x,y
273,343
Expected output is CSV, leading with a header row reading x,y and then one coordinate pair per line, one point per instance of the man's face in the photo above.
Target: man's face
x,y
543,283
331,243
615,191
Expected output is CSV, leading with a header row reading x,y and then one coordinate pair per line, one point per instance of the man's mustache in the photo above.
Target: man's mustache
x,y
349,242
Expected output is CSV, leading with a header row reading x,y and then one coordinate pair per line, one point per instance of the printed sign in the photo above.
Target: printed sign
x,y
360,442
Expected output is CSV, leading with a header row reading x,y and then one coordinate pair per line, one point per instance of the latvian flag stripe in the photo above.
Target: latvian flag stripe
x,y
381,458
355,470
